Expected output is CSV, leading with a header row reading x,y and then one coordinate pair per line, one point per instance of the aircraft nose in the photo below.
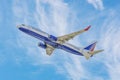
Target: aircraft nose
x,y
22,25
18,26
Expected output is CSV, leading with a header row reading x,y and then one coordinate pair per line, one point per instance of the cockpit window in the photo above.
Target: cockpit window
x,y
23,24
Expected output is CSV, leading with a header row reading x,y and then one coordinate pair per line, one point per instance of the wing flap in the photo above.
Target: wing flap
x,y
49,50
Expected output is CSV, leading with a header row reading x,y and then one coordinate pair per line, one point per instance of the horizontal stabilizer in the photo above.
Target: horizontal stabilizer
x,y
90,54
96,51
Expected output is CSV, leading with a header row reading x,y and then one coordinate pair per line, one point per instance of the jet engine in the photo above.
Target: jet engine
x,y
42,45
53,38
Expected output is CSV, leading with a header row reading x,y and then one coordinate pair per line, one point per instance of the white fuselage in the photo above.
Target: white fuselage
x,y
45,37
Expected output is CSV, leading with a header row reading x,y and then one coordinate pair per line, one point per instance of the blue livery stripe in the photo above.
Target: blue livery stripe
x,y
91,46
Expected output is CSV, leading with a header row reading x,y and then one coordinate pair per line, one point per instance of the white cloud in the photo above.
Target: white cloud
x,y
54,21
58,15
98,4
110,42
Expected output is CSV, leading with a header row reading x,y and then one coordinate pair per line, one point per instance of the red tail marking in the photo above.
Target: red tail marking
x,y
93,46
86,29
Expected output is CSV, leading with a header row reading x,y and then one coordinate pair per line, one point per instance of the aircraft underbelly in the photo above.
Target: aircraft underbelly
x,y
68,49
32,33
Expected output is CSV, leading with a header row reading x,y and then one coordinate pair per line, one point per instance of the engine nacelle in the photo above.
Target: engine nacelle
x,y
42,45
53,38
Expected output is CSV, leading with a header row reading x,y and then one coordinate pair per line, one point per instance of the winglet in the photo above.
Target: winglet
x,y
86,29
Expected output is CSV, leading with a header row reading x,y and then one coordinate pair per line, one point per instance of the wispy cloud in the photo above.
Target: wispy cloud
x,y
110,41
54,20
98,4
58,16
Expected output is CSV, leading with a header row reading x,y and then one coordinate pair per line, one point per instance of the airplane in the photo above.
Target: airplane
x,y
51,42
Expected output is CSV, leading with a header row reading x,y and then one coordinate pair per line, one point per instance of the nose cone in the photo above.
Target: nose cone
x,y
22,25
18,26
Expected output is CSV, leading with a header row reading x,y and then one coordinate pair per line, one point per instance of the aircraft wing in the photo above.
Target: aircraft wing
x,y
49,49
63,39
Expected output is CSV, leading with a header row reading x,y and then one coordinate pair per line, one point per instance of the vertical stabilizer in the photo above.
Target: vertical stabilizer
x,y
91,51
91,47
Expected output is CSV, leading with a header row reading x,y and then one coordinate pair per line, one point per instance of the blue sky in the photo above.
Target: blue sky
x,y
22,59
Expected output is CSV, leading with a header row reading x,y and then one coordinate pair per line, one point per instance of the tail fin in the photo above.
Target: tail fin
x,y
91,47
91,52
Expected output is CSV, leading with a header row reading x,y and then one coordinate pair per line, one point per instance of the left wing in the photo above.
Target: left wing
x,y
63,39
49,49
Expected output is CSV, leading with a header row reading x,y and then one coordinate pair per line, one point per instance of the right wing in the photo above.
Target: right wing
x,y
63,39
